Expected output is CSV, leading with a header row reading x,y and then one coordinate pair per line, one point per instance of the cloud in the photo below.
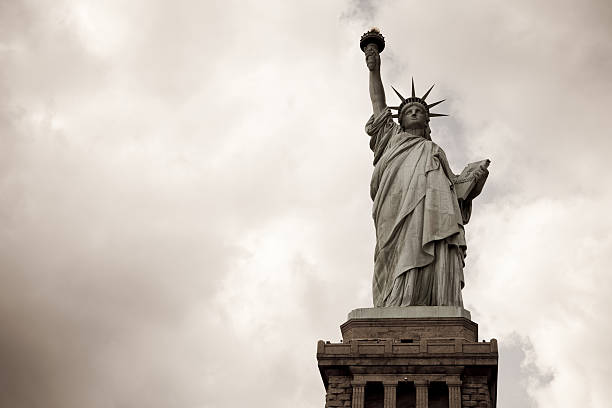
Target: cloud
x,y
184,192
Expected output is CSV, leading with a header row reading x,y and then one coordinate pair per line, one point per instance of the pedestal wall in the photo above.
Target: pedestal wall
x,y
438,358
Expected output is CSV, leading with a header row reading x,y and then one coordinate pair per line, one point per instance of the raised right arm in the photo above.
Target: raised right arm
x,y
377,92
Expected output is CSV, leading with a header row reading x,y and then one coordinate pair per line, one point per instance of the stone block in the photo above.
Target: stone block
x,y
412,330
475,379
412,312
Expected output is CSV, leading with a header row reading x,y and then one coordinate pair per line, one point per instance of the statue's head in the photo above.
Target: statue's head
x,y
413,116
413,112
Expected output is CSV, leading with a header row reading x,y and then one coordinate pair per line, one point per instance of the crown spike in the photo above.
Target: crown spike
x,y
433,115
413,93
400,95
435,103
394,107
395,115
427,93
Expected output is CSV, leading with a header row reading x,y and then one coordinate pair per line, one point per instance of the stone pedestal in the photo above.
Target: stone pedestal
x,y
405,357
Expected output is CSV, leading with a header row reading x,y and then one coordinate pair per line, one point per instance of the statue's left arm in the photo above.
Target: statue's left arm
x,y
480,175
445,166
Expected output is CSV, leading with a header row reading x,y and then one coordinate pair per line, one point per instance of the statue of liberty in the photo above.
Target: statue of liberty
x,y
420,206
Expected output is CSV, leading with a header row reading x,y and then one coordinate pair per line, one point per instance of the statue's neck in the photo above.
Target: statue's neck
x,y
416,132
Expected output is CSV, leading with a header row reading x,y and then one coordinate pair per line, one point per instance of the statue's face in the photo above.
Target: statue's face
x,y
414,116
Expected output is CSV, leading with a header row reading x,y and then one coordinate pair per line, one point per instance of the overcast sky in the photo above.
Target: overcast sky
x,y
184,192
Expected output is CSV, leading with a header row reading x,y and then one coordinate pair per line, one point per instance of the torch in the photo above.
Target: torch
x,y
372,37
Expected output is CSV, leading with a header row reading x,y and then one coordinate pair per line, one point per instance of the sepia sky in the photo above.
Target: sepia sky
x,y
184,192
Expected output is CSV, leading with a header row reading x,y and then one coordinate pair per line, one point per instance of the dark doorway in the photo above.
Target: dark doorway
x,y
406,395
374,395
438,395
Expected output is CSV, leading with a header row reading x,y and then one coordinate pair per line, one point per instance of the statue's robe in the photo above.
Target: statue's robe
x,y
420,240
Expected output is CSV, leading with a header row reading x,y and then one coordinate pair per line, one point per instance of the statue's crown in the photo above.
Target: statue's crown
x,y
416,99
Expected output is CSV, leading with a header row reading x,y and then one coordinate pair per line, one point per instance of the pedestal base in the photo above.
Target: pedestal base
x,y
410,324
398,312
409,357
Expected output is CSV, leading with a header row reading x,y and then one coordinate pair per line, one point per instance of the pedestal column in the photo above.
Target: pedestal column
x,y
454,393
422,394
390,395
358,395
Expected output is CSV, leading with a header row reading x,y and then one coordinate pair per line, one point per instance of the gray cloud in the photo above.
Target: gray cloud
x,y
184,192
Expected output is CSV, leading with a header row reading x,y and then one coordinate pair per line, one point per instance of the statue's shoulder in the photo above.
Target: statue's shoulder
x,y
436,148
381,123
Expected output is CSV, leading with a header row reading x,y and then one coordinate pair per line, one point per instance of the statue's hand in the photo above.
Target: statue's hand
x,y
481,173
372,57
481,176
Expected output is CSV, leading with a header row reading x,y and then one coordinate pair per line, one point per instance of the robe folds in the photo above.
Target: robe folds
x,y
420,240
